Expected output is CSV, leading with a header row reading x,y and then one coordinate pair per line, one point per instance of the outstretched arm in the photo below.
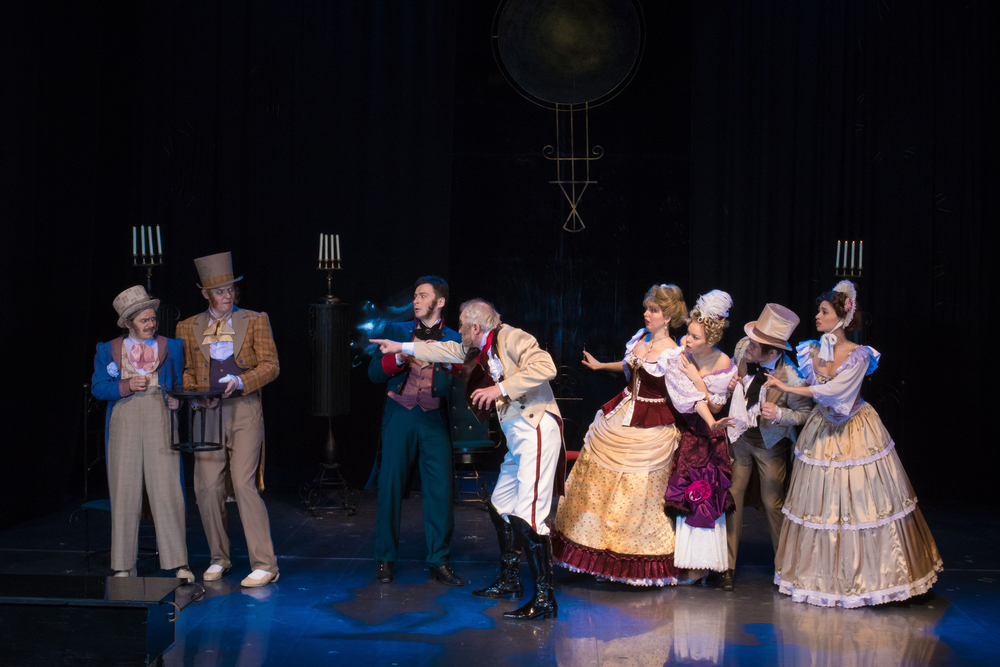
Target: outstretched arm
x,y
590,362
778,384
447,352
705,413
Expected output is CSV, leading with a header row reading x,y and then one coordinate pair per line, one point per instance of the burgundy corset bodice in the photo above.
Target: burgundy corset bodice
x,y
651,404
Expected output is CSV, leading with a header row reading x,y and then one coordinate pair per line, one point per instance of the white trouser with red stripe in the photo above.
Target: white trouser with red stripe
x,y
527,473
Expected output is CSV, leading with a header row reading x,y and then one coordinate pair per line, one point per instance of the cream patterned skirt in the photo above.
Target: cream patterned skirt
x,y
611,523
852,534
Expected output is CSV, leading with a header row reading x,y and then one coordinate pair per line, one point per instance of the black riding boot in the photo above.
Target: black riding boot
x,y
508,584
538,550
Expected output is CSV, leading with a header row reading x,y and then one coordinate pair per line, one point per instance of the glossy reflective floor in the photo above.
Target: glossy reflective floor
x,y
328,609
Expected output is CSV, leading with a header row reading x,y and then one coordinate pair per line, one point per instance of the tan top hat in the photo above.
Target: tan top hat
x,y
774,326
131,301
216,270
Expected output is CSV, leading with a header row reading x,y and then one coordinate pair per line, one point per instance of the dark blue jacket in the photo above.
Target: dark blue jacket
x,y
105,386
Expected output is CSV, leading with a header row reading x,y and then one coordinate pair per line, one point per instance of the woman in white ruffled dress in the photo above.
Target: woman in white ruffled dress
x,y
853,534
611,522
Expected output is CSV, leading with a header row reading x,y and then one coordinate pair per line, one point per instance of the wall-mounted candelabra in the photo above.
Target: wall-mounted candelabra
x,y
147,260
329,261
841,267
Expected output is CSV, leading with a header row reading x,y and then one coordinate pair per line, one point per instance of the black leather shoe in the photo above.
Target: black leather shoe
x,y
384,571
443,574
726,580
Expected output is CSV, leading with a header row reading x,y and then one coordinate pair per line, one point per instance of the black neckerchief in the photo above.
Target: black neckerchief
x,y
423,332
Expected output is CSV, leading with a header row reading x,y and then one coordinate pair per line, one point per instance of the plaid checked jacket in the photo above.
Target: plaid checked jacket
x,y
253,349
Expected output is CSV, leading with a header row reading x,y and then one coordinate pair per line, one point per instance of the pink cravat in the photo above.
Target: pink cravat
x,y
142,357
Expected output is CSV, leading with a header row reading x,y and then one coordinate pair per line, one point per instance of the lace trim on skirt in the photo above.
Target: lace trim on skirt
x,y
847,463
896,593
848,526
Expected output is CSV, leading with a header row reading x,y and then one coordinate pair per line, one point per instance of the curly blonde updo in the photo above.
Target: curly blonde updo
x,y
713,327
670,300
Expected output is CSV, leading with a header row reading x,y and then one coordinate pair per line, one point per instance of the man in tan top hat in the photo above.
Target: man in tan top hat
x,y
766,422
232,349
133,373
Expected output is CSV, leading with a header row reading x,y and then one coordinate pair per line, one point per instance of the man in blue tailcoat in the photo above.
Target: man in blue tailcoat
x,y
415,421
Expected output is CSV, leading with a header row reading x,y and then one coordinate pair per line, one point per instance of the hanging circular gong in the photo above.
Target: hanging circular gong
x,y
568,52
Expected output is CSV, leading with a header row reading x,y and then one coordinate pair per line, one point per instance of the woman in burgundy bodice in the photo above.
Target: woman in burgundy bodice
x,y
611,521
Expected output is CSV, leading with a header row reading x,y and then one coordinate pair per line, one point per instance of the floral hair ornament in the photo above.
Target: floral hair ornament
x,y
713,306
829,339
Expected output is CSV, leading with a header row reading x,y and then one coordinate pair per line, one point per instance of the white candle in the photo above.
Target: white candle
x,y
861,254
836,263
321,247
326,247
337,241
159,241
133,239
852,255
142,237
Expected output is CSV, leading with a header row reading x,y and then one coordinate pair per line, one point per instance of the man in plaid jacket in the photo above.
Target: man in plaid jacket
x,y
231,349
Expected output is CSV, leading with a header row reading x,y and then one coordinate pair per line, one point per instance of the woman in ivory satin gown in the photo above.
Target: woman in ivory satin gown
x,y
852,534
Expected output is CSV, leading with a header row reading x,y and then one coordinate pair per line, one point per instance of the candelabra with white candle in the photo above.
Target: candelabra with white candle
x,y
147,259
845,266
329,261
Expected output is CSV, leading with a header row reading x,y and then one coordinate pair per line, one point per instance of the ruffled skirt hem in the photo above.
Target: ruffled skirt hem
x,y
894,594
654,570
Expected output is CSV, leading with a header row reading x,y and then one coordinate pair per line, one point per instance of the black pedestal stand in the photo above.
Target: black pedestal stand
x,y
330,479
329,334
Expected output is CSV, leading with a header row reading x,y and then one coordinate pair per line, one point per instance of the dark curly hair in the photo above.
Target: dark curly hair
x,y
839,302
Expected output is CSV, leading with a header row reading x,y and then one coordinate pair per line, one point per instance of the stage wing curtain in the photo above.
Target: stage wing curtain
x,y
818,121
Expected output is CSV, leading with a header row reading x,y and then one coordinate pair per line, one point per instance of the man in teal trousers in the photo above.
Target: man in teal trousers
x,y
415,421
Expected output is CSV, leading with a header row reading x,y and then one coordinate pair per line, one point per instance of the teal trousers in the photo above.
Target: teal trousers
x,y
405,433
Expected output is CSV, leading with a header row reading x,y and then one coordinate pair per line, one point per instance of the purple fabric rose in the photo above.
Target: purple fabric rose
x,y
703,507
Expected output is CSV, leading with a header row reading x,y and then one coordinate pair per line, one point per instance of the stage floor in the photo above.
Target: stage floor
x,y
328,609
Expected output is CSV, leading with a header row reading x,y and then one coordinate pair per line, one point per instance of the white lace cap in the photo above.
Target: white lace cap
x,y
847,287
715,305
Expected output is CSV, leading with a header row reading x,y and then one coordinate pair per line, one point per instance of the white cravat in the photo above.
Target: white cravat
x,y
746,419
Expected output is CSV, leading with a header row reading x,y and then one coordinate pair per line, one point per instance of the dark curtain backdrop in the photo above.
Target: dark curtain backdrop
x,y
818,121
753,136
572,290
249,127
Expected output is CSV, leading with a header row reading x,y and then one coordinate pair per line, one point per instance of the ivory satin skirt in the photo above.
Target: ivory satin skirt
x,y
852,534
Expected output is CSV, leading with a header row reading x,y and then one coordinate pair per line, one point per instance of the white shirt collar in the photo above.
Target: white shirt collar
x,y
771,364
151,342
211,313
